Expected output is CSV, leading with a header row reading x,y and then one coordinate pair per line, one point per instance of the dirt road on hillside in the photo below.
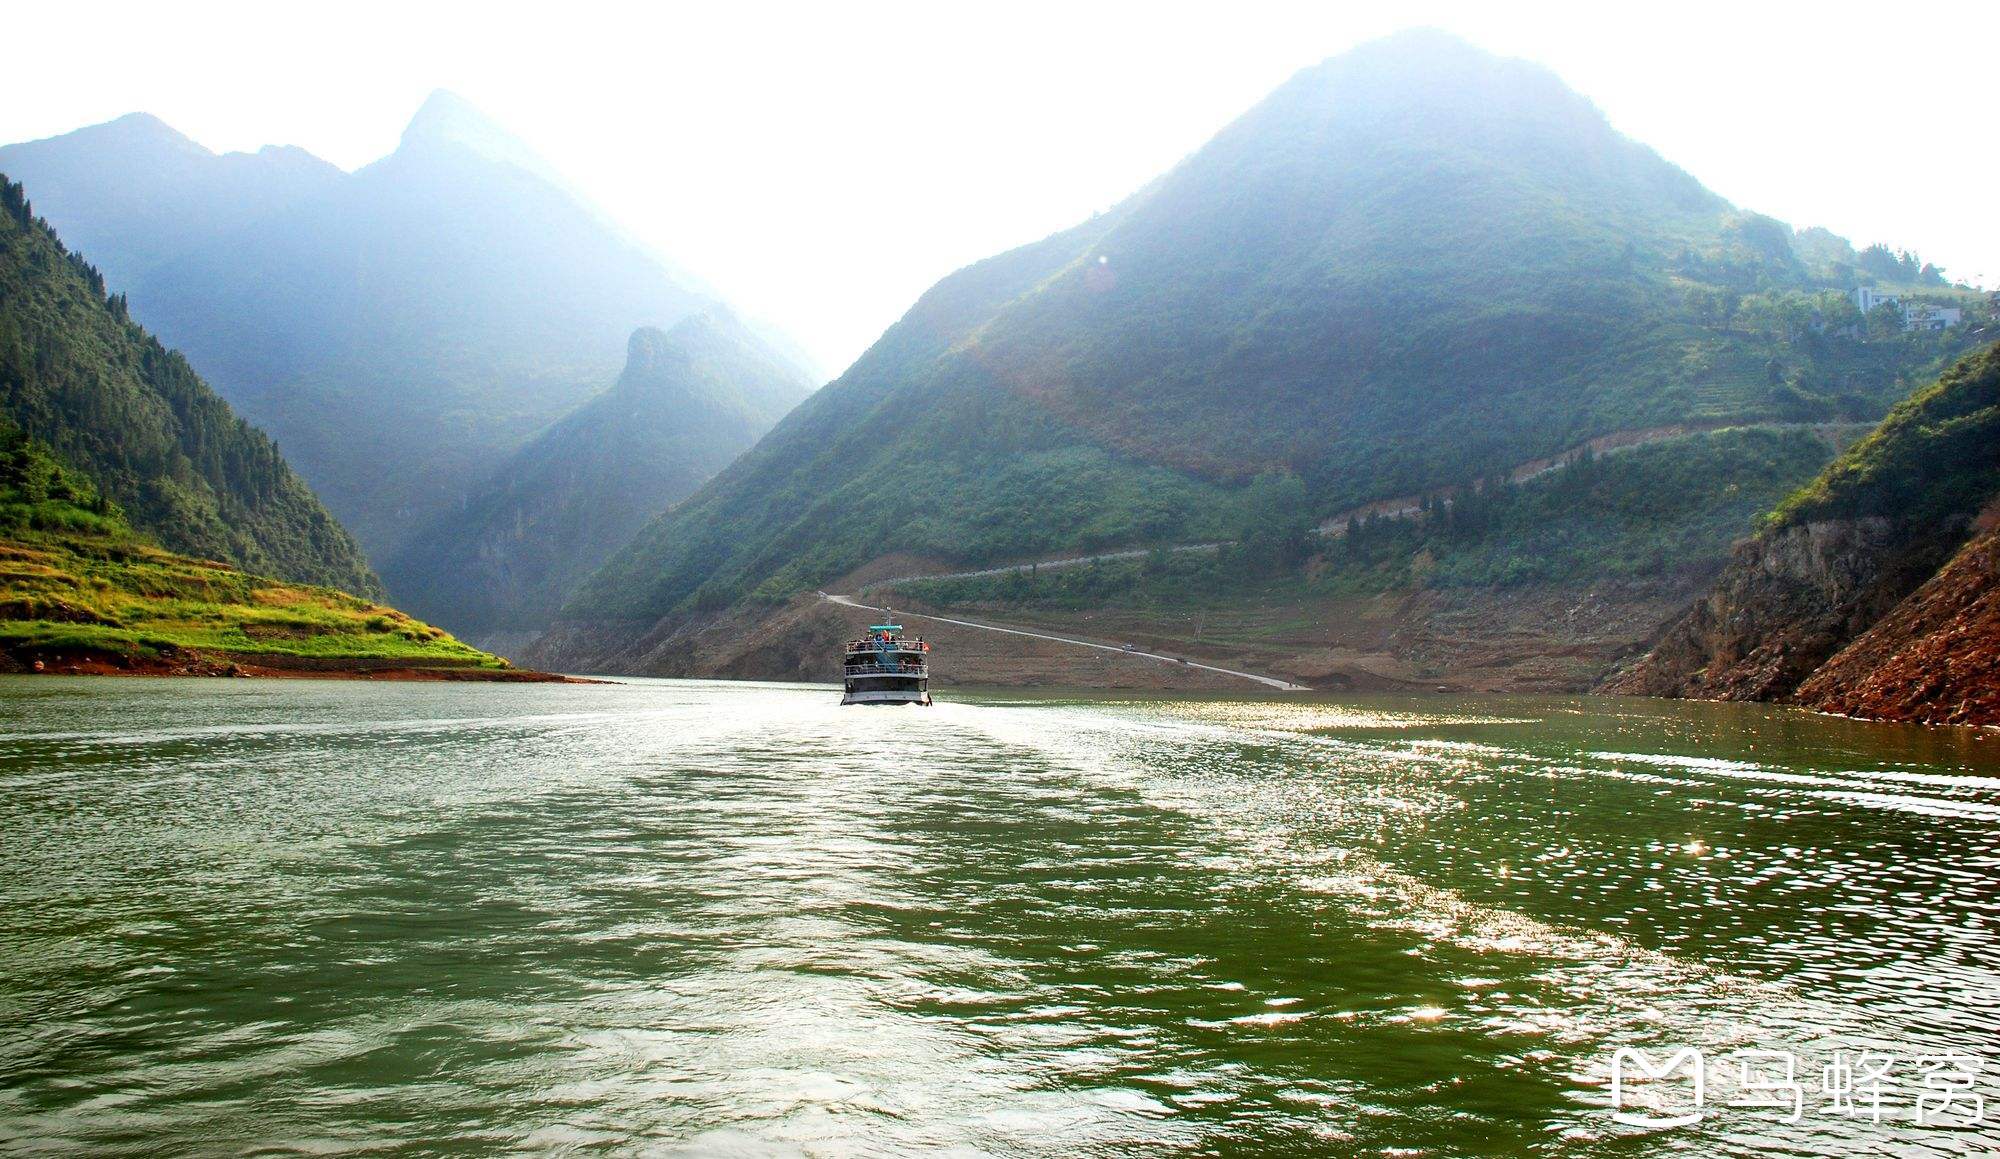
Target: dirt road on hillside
x,y
1267,681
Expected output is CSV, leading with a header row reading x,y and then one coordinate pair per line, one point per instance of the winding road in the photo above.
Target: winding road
x,y
1396,507
1267,681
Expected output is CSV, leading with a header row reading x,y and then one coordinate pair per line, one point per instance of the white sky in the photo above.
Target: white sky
x,y
822,164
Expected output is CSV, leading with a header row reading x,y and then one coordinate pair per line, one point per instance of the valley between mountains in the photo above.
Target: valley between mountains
x,y
1418,375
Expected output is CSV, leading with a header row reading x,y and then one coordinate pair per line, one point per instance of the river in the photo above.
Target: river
x,y
682,917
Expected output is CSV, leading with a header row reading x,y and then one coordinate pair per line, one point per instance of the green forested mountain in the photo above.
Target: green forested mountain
x,y
690,400
1411,266
399,330
79,375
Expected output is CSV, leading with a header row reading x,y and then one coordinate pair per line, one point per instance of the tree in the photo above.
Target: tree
x,y
1885,321
1838,311
1277,523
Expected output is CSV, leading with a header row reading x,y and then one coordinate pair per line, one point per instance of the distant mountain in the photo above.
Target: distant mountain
x,y
78,375
134,193
498,567
1411,266
1874,590
400,330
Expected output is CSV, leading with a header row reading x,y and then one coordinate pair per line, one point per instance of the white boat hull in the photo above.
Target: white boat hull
x,y
887,696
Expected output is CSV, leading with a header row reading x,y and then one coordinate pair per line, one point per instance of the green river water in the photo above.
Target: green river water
x,y
248,917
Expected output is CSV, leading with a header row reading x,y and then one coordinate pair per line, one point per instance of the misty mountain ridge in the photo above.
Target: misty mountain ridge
x,y
134,191
400,329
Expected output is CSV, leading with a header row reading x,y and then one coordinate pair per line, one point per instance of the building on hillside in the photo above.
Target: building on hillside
x,y
1916,315
1920,316
1868,297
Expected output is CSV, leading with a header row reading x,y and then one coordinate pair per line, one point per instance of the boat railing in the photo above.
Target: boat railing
x,y
911,669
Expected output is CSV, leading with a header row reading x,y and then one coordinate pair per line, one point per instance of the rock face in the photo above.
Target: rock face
x,y
1935,658
1786,603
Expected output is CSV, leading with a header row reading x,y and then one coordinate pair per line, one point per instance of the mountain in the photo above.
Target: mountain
x,y
1875,590
1411,267
133,193
400,330
690,400
77,374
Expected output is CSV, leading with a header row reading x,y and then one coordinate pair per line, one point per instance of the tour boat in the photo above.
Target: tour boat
x,y
885,668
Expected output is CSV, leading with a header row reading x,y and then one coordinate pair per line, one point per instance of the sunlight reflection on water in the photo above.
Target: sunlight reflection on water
x,y
738,918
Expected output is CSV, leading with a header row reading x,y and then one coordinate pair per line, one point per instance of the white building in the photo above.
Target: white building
x,y
1922,317
1867,297
1916,315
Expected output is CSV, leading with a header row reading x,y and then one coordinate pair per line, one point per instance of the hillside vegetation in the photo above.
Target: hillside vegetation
x,y
79,375
1411,266
1648,511
77,584
1932,463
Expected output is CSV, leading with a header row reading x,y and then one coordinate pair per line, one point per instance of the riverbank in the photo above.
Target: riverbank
x,y
171,661
1547,639
81,594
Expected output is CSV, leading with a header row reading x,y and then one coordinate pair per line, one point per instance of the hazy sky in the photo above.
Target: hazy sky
x,y
822,164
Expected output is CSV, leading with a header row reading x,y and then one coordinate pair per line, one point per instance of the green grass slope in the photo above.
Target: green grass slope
x,y
76,579
1934,461
1411,266
78,374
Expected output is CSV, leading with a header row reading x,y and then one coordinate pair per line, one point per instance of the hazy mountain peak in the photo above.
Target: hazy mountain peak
x,y
653,352
692,397
1423,108
713,319
449,121
445,113
646,349
131,132
1425,68
142,124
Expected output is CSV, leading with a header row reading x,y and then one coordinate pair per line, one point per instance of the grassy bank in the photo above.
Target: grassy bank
x,y
75,579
